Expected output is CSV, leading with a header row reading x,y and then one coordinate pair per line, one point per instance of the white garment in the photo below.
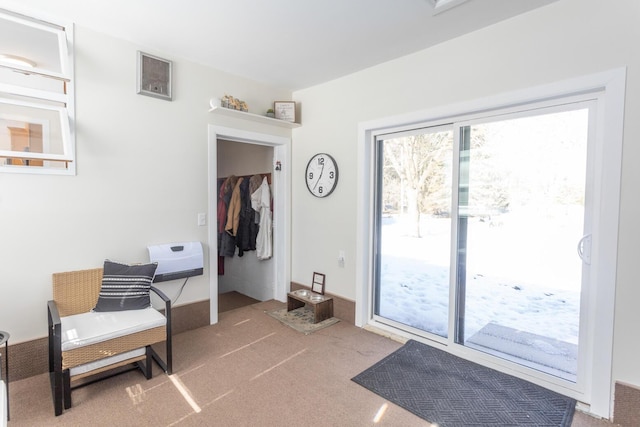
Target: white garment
x,y
261,202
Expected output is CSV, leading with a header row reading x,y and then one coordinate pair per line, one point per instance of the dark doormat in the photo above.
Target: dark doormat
x,y
452,392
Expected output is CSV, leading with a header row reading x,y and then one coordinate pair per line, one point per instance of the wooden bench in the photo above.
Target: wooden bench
x,y
85,344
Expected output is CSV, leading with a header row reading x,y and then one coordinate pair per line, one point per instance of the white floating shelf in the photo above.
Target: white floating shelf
x,y
253,117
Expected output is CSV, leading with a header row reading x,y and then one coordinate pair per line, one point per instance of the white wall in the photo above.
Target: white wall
x,y
238,158
566,39
142,172
141,179
247,274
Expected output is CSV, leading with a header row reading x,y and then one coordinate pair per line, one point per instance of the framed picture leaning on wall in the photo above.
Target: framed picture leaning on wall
x,y
318,283
285,110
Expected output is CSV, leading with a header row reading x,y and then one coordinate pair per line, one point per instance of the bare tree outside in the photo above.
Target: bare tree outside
x,y
415,184
412,172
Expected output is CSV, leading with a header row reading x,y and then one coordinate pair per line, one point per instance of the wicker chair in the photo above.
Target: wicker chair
x,y
77,292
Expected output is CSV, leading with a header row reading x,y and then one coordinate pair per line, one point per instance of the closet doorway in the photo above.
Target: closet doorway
x,y
245,264
244,154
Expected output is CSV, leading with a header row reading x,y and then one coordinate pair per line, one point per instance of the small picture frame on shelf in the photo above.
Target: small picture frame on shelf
x,y
154,76
318,283
285,110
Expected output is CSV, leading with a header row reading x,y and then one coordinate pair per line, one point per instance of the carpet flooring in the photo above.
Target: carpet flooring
x,y
249,369
452,392
232,300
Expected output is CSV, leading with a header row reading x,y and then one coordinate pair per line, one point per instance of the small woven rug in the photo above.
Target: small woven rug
x,y
449,391
301,319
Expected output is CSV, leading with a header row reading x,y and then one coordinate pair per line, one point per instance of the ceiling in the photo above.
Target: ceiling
x,y
292,44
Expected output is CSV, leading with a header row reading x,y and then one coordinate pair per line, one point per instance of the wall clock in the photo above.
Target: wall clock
x,y
321,175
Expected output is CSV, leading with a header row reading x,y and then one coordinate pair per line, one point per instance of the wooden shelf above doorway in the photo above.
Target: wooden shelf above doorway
x,y
253,117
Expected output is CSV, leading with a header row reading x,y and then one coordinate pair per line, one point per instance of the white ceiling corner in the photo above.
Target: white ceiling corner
x,y
291,44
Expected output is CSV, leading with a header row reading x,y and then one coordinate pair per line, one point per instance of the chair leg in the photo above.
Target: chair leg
x,y
168,365
148,364
56,391
56,377
67,388
169,353
55,361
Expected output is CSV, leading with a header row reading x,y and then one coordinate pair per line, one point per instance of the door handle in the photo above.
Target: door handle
x,y
584,249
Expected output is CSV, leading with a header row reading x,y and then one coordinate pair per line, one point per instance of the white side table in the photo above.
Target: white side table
x,y
4,339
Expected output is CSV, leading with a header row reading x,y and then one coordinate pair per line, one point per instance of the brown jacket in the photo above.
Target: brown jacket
x,y
233,211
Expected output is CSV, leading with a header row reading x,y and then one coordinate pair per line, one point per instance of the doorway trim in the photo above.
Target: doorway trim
x,y
281,192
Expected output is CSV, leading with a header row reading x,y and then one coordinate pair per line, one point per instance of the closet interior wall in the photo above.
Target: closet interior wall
x,y
247,274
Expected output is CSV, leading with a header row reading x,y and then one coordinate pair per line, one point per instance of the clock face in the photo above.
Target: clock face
x,y
321,175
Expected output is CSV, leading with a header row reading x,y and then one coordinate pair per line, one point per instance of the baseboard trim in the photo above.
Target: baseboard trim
x,y
190,316
626,411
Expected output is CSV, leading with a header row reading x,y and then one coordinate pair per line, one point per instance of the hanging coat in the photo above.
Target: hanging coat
x,y
254,183
261,202
247,227
226,242
233,211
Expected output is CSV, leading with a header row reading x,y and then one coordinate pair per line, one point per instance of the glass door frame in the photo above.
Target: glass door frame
x,y
377,210
608,89
568,104
457,266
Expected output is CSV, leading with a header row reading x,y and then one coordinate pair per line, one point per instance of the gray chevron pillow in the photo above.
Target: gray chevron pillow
x,y
125,287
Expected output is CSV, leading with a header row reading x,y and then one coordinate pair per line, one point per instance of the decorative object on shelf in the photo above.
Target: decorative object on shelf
x,y
317,285
232,103
285,110
154,76
321,175
271,113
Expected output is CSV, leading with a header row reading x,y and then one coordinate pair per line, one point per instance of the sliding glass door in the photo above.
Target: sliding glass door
x,y
414,229
520,218
481,226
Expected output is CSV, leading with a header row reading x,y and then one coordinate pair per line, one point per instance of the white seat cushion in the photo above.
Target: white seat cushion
x,y
80,330
87,367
